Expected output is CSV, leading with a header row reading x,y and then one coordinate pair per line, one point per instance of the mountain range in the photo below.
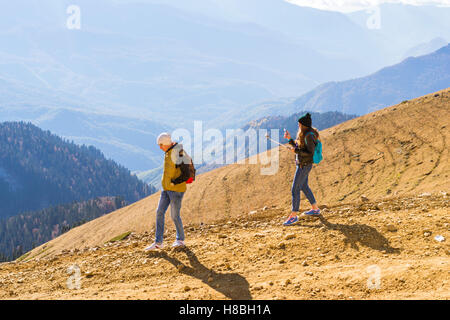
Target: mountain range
x,y
136,68
412,77
123,138
426,48
321,121
39,169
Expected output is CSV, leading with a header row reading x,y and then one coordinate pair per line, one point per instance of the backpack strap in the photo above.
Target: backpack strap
x,y
306,142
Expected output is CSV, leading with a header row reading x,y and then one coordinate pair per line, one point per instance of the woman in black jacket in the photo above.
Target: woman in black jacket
x,y
303,147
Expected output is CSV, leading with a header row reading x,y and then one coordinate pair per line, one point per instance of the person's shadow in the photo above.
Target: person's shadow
x,y
361,234
232,285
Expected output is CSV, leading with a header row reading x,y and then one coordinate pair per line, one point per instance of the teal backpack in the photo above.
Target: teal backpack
x,y
317,157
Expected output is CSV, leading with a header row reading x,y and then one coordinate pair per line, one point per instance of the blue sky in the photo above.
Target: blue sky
x,y
353,5
333,5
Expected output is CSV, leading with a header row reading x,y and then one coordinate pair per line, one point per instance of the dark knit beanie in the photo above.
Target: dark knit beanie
x,y
305,120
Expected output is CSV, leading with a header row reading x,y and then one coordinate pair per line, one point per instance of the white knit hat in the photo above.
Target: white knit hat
x,y
164,139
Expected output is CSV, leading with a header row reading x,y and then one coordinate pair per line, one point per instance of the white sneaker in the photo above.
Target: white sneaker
x,y
154,246
178,244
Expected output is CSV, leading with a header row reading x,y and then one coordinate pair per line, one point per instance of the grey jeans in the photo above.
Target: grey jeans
x,y
173,199
301,184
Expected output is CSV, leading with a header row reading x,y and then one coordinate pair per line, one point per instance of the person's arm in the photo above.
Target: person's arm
x,y
292,143
310,146
310,143
165,180
296,148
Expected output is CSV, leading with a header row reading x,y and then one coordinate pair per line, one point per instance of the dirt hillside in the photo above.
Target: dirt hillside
x,y
400,150
384,181
255,257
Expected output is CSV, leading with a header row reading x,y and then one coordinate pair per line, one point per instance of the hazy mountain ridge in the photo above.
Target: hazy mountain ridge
x,y
413,77
426,48
403,26
176,67
321,121
152,176
163,64
127,139
47,170
170,63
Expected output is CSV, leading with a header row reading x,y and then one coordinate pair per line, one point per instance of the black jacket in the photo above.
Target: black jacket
x,y
304,156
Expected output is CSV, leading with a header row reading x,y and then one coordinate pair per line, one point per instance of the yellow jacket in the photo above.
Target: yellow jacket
x,y
171,171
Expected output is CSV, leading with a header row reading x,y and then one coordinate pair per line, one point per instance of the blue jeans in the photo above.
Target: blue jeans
x,y
301,184
174,199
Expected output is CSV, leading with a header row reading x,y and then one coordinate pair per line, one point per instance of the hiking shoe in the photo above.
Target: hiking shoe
x,y
312,212
291,221
154,246
178,244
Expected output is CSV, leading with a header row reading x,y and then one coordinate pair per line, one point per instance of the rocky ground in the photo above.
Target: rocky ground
x,y
387,249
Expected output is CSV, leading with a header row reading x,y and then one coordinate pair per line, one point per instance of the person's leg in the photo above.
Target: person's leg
x,y
308,193
300,176
296,187
295,190
163,204
175,210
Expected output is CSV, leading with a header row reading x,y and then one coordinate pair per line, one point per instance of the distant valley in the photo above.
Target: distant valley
x,y
49,185
138,69
39,169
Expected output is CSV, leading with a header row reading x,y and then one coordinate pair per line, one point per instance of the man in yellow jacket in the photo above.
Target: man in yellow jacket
x,y
174,187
